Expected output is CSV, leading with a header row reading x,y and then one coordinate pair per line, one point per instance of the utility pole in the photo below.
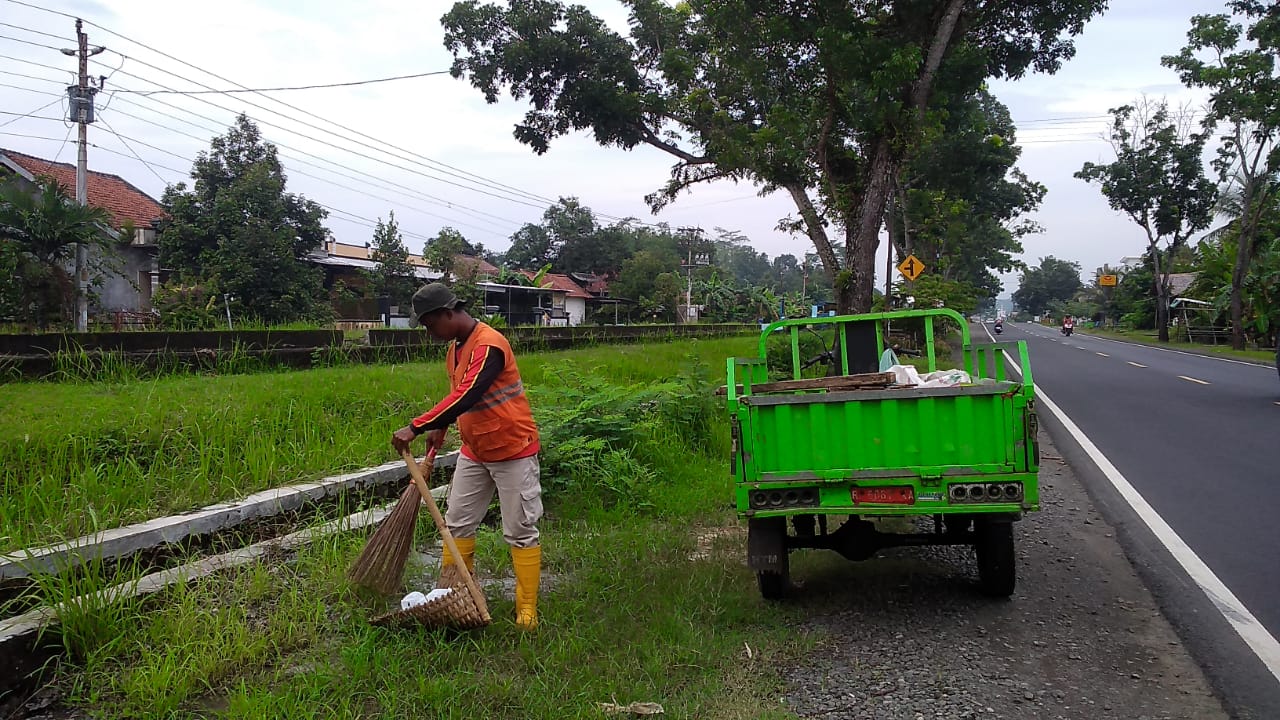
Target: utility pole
x,y
81,109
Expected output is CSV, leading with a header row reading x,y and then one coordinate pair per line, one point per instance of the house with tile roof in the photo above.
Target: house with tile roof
x,y
568,299
136,276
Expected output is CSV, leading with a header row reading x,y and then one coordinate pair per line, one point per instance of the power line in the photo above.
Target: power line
x,y
357,153
492,183
280,89
32,115
463,175
375,180
334,146
364,221
33,90
432,199
33,77
36,32
124,139
129,147
32,62
30,42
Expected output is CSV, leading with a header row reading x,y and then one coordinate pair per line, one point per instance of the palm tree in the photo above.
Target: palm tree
x,y
39,231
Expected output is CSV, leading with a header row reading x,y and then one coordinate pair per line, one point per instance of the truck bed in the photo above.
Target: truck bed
x,y
907,432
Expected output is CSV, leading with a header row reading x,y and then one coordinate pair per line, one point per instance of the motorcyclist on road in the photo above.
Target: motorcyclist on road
x,y
1068,325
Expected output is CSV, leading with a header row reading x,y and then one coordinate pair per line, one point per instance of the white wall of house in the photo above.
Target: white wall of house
x,y
577,309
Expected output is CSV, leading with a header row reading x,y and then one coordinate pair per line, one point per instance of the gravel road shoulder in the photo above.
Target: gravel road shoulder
x,y
906,635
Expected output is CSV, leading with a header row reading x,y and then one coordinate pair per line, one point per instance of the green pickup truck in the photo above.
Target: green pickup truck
x,y
855,445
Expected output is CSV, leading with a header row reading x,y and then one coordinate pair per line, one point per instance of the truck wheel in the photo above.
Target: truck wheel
x,y
767,555
997,567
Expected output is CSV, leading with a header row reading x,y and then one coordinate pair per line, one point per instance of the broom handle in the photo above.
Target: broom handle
x,y
415,471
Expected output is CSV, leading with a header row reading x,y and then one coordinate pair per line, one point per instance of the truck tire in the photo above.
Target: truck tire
x,y
767,555
997,564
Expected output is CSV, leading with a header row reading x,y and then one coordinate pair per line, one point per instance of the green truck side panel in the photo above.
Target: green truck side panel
x,y
929,440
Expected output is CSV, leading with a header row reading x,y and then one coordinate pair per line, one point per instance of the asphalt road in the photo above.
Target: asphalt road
x,y
1197,437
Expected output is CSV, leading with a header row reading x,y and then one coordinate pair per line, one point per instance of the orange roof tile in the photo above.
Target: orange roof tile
x,y
112,193
559,283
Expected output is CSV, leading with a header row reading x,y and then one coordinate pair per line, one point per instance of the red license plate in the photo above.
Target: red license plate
x,y
902,495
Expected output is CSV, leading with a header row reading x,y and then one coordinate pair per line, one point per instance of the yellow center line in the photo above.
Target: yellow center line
x,y
1137,364
1191,379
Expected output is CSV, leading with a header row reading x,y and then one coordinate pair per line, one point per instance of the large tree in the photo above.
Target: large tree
x,y
1053,281
530,247
392,276
961,203
39,229
819,98
239,229
1157,179
441,252
1246,97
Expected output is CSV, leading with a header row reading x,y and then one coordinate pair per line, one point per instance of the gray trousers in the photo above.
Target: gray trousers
x,y
519,489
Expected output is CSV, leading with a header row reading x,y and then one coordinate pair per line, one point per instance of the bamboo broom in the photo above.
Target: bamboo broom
x,y
381,563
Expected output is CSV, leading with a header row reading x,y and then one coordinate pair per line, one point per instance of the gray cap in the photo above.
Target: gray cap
x,y
431,297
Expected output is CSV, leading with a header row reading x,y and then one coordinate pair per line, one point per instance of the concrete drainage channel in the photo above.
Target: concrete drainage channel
x,y
177,549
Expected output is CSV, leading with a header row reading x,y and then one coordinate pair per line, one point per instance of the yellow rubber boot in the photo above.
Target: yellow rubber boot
x,y
466,548
528,568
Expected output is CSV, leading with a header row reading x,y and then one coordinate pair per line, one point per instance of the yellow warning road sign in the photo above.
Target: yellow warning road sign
x,y
911,267
1108,280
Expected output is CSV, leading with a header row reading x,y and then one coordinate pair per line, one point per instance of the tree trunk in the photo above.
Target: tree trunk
x,y
1250,221
1237,292
863,234
816,231
1162,300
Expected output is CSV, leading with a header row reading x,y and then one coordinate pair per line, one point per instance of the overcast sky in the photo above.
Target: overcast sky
x,y
289,42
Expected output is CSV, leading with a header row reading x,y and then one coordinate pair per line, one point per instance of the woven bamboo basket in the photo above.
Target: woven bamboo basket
x,y
464,608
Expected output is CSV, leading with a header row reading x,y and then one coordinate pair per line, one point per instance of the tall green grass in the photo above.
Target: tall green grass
x,y
75,458
639,604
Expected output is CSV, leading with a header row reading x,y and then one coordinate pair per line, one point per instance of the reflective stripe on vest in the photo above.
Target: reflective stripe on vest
x,y
500,426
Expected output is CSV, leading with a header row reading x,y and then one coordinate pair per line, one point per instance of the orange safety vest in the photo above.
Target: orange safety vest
x,y
500,426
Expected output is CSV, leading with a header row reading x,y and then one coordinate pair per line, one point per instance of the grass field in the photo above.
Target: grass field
x,y
1148,337
75,458
646,597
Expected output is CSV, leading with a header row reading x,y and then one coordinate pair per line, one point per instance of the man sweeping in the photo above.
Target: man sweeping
x,y
499,440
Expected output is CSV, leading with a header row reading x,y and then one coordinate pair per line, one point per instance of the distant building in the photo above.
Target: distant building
x,y
568,299
126,293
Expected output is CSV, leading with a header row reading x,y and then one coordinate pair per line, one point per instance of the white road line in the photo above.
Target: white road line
x,y
1101,354
1137,364
1254,634
1181,352
1191,379
1081,347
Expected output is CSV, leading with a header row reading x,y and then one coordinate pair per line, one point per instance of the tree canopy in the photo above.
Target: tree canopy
x,y
1053,280
824,100
1157,179
392,275
238,229
39,228
1246,97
